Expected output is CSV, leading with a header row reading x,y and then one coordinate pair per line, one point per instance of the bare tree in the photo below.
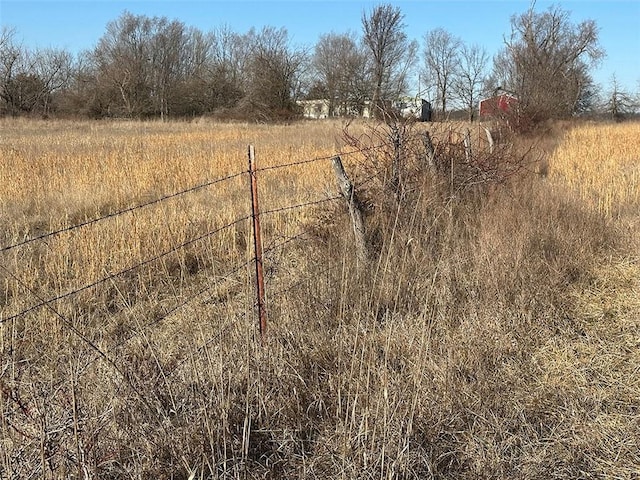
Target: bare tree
x,y
214,66
392,53
168,41
123,67
228,68
339,68
11,65
140,62
546,61
274,72
152,66
29,79
54,69
78,97
469,82
618,103
441,58
191,93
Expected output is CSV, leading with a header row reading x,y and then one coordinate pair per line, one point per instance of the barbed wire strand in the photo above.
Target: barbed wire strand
x,y
173,310
282,291
177,194
301,205
198,294
293,164
324,158
230,324
279,292
163,254
126,270
134,267
273,248
119,212
266,252
225,329
367,180
216,337
91,344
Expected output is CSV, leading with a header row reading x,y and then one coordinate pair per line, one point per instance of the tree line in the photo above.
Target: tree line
x,y
154,67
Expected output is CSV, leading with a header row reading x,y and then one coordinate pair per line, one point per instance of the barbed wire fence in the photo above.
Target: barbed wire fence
x,y
51,303
29,305
115,344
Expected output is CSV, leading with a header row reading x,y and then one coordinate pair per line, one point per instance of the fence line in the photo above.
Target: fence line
x,y
301,205
297,283
284,242
292,164
88,341
47,303
174,195
282,291
266,252
117,358
324,158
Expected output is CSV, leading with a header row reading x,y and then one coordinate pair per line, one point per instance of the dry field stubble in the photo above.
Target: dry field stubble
x,y
492,335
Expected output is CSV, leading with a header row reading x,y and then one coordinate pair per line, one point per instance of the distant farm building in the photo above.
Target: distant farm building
x,y
318,109
409,107
498,105
314,108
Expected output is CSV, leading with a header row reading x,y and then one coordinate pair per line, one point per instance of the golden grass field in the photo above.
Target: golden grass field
x,y
492,335
67,173
601,164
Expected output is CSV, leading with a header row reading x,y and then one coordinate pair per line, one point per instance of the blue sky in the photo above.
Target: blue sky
x,y
77,25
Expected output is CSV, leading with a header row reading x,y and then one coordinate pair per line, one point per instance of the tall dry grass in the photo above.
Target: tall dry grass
x,y
601,164
492,334
61,174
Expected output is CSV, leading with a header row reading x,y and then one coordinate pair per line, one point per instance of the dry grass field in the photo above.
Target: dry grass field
x,y
492,333
601,164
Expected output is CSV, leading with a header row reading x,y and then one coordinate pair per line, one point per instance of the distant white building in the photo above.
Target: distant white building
x,y
409,107
414,107
318,109
315,108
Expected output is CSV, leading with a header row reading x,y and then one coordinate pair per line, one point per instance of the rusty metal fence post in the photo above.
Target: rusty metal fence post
x,y
257,244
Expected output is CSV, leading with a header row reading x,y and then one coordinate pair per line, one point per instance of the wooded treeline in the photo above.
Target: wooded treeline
x,y
154,67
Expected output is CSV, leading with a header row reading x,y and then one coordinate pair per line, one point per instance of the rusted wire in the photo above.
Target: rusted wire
x,y
126,270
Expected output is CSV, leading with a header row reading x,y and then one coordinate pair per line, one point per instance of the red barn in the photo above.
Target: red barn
x,y
498,105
